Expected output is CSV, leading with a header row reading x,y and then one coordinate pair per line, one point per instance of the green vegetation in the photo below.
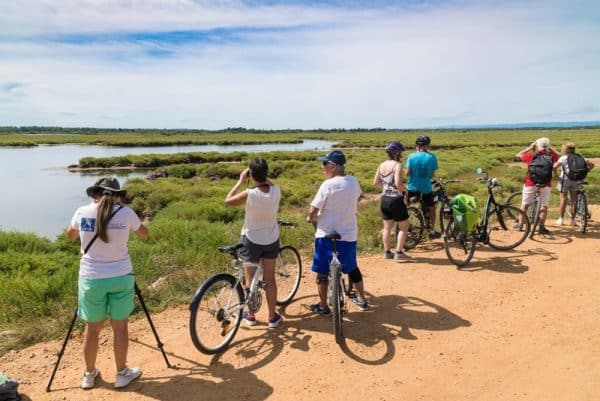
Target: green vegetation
x,y
38,277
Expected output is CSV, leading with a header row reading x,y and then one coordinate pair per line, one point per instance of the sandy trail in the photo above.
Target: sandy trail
x,y
519,325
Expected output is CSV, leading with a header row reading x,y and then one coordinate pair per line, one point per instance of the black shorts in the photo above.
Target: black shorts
x,y
252,252
393,208
428,199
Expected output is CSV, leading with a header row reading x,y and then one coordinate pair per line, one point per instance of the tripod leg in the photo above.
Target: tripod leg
x,y
62,350
159,343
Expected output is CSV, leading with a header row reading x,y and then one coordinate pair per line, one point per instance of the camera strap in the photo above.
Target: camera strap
x,y
87,248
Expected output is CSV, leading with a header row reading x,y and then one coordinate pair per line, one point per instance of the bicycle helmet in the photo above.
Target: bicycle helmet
x,y
423,140
394,147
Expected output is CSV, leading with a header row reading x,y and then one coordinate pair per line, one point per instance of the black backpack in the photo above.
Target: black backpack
x,y
540,169
578,168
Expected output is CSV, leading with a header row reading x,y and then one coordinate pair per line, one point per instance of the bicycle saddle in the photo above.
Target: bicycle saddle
x,y
334,236
231,248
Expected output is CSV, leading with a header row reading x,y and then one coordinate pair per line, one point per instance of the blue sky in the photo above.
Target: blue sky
x,y
297,64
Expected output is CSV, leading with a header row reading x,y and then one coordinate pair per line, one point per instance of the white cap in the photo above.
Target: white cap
x,y
542,143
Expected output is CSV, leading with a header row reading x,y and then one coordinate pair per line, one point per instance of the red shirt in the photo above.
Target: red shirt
x,y
527,158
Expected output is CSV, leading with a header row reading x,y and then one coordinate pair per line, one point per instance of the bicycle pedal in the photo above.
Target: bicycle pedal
x,y
263,284
351,294
226,327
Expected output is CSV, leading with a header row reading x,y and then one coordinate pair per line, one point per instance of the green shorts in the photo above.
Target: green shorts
x,y
99,298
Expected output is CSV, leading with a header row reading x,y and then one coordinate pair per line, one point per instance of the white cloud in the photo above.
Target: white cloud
x,y
436,65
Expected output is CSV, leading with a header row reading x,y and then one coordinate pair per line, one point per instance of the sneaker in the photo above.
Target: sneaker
x,y
559,221
320,309
543,230
401,256
361,303
87,380
388,255
126,376
273,323
434,235
249,318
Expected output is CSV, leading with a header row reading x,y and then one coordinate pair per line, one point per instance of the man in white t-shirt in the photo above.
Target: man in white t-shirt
x,y
333,209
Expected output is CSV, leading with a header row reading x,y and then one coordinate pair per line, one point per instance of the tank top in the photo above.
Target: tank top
x,y
389,187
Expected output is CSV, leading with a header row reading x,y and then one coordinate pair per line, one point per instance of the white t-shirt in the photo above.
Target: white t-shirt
x,y
260,221
337,199
105,259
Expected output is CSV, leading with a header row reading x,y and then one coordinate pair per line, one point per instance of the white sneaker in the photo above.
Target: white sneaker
x,y
559,221
126,376
87,380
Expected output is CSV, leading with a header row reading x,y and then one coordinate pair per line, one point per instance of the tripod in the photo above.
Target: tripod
x,y
62,350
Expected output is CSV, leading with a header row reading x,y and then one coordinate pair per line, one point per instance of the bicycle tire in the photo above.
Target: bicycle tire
x,y
533,214
416,227
335,301
211,329
515,199
443,222
459,246
288,273
581,213
503,233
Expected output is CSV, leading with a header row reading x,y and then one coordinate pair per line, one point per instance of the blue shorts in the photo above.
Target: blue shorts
x,y
324,252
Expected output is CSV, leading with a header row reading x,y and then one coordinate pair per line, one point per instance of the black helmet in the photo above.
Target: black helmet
x,y
423,140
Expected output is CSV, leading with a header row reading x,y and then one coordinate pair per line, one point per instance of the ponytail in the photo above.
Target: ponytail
x,y
105,207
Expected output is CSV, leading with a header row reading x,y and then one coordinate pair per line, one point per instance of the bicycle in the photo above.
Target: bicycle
x,y
498,228
337,290
533,210
217,306
418,216
582,214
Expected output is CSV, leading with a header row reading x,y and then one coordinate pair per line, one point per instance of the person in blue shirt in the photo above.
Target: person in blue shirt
x,y
420,168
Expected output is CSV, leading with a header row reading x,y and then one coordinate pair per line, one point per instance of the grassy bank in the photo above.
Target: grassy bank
x,y
38,277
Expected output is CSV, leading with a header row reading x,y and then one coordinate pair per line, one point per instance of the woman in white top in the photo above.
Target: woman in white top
x,y
260,233
393,207
566,186
106,282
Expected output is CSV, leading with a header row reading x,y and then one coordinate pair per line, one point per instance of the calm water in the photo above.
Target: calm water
x,y
38,194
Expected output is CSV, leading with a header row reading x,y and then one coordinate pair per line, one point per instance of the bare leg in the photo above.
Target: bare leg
x,y
543,213
269,277
121,342
360,287
573,202
387,233
249,270
563,204
524,208
403,226
431,211
90,344
322,288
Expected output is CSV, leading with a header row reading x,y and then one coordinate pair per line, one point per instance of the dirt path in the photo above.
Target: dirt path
x,y
520,325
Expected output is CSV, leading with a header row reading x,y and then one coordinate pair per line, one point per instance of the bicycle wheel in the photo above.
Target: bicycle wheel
x,y
581,213
336,300
533,214
216,313
459,245
503,228
515,199
416,227
443,222
288,271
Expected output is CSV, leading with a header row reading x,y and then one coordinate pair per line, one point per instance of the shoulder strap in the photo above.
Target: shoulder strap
x,y
89,245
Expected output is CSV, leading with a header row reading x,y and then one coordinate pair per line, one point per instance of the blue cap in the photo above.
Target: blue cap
x,y
335,156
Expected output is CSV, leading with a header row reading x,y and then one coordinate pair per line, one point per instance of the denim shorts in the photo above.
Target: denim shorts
x,y
102,297
324,252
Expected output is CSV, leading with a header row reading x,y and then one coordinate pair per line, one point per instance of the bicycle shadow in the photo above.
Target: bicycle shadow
x,y
369,336
427,247
556,237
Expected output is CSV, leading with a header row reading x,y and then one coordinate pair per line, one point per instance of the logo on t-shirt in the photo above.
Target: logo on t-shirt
x,y
87,224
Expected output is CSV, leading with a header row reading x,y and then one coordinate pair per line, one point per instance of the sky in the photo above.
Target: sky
x,y
269,64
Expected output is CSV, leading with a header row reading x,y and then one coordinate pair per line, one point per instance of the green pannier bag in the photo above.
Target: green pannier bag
x,y
464,212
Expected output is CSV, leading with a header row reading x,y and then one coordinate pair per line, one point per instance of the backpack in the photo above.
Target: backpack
x,y
578,168
540,169
464,212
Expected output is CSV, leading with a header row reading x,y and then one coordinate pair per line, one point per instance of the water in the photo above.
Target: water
x,y
38,194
